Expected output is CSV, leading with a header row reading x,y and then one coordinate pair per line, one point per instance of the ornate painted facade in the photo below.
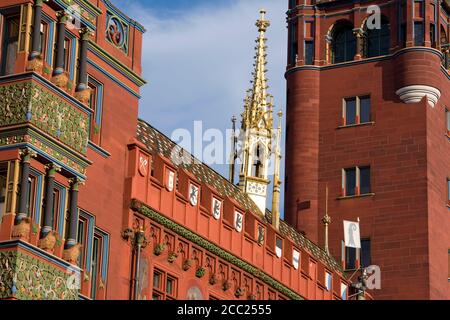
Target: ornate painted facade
x,y
92,203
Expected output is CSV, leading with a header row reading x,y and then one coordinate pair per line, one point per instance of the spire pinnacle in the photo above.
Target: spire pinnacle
x,y
258,101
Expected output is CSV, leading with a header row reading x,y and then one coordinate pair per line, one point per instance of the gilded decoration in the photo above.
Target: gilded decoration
x,y
27,278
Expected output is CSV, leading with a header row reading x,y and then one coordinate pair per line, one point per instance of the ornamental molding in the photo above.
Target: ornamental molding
x,y
212,248
415,94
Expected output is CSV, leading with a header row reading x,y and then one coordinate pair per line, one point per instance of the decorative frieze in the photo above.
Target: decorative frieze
x,y
25,277
27,101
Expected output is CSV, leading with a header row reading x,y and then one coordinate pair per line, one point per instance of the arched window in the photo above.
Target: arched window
x,y
343,42
258,162
378,40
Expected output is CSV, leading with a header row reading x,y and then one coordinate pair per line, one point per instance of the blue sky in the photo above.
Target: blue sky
x,y
198,59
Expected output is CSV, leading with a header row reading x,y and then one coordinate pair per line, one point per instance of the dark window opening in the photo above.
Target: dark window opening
x,y
364,174
350,182
366,258
10,44
343,43
350,258
419,33
378,40
350,111
309,52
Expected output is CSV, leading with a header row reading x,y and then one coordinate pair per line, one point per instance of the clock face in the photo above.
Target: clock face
x,y
256,188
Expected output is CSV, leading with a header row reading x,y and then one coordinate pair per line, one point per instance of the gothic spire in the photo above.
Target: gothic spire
x,y
258,103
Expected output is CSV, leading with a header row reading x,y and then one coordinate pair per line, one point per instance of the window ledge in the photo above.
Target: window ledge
x,y
366,195
371,123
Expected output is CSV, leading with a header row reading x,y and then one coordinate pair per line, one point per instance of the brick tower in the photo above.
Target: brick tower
x,y
367,115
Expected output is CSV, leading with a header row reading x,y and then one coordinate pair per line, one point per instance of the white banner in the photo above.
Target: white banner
x,y
352,235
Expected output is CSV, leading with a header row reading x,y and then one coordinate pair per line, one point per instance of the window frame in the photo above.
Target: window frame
x,y
44,37
97,111
161,290
3,198
348,42
103,261
4,30
362,251
345,193
358,115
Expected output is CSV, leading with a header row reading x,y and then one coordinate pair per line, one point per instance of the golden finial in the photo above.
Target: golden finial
x,y
326,222
262,23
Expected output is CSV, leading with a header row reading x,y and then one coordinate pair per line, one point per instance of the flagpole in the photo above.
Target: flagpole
x,y
326,221
358,254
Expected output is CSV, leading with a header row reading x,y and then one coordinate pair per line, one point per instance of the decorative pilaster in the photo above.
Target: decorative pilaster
x,y
35,59
83,93
59,77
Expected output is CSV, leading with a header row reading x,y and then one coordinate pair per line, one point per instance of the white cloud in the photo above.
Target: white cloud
x,y
199,61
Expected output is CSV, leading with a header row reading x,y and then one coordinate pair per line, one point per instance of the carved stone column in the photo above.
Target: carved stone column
x,y
35,59
59,76
22,223
48,239
72,248
83,93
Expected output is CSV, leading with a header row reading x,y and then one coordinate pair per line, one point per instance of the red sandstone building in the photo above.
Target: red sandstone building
x,y
368,115
92,205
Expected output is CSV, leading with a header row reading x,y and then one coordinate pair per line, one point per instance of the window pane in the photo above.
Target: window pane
x,y
81,240
418,33
365,109
364,180
95,252
309,52
366,259
447,113
350,111
157,280
3,176
170,287
350,182
31,196
55,209
350,258
448,190
10,44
